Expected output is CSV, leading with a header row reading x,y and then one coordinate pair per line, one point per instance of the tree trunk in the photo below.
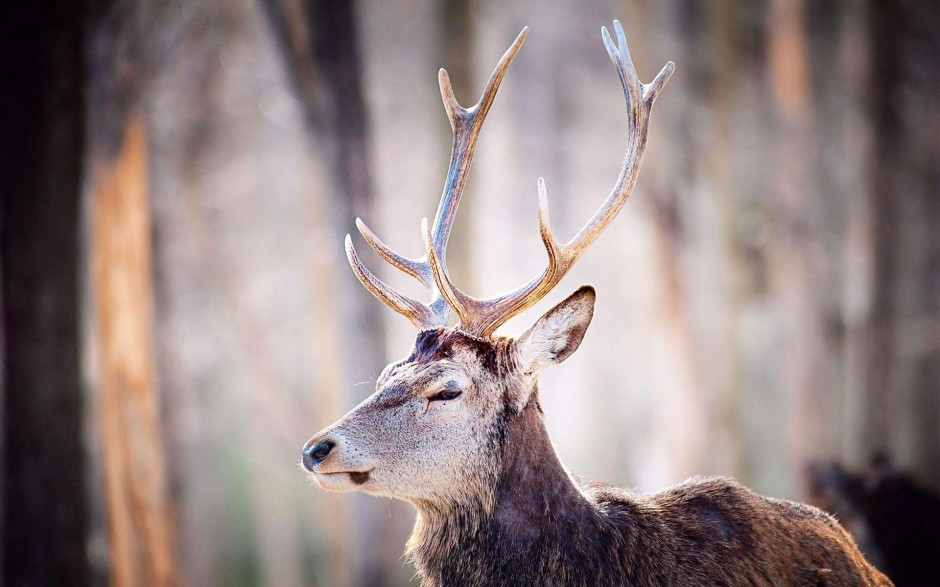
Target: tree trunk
x,y
139,514
324,65
902,355
44,499
920,332
139,520
885,33
729,455
798,255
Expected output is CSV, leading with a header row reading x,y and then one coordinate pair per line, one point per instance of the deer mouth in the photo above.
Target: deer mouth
x,y
342,480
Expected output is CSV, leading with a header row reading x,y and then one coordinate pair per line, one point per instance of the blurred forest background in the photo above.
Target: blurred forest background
x,y
178,315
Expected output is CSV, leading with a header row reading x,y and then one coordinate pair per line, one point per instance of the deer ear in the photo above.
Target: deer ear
x,y
557,334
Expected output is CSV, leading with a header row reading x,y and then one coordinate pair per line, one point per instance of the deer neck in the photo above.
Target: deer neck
x,y
533,485
535,502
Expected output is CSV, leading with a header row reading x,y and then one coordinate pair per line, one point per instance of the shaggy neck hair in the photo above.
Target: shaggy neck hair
x,y
530,506
519,518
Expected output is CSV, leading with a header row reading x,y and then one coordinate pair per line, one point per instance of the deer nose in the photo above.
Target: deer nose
x,y
316,454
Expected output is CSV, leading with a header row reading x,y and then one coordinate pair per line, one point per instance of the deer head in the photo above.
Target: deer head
x,y
430,434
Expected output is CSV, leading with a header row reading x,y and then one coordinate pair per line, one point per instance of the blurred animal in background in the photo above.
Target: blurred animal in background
x,y
895,520
457,429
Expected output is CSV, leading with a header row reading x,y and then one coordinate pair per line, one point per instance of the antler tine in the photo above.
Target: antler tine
x,y
639,103
482,316
466,124
421,315
413,267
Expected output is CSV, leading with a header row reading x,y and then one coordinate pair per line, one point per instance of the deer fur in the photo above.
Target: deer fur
x,y
456,429
497,507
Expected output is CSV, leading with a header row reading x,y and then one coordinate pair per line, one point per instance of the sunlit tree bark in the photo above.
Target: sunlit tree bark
x,y
142,549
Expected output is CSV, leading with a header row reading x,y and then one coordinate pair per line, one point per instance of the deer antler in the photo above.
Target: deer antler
x,y
482,316
466,124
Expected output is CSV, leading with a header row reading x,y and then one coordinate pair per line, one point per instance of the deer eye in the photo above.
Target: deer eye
x,y
445,395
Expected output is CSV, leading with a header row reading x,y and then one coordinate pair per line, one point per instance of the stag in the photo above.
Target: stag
x,y
457,430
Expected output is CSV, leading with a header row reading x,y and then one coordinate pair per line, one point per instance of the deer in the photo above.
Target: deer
x,y
457,429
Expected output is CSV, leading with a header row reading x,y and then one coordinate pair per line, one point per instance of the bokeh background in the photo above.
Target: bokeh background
x,y
178,315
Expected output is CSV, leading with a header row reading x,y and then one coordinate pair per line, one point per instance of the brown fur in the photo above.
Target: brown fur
x,y
547,528
456,429
497,507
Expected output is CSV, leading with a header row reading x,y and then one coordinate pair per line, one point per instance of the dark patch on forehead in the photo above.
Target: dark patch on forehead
x,y
435,345
428,346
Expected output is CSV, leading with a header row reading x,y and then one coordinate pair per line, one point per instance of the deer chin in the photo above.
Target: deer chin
x,y
342,481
